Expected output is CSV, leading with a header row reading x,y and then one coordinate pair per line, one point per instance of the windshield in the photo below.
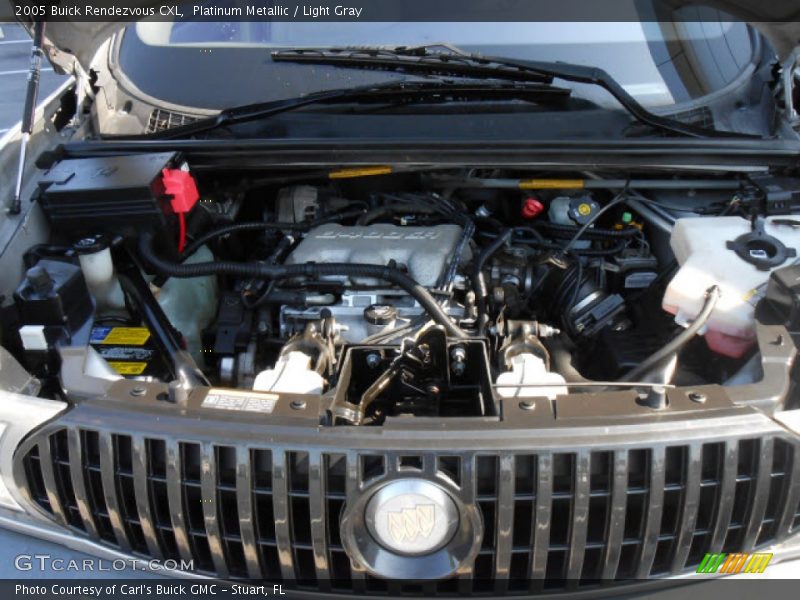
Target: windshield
x,y
217,65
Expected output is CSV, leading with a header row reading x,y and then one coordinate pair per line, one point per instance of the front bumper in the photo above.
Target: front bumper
x,y
557,507
589,489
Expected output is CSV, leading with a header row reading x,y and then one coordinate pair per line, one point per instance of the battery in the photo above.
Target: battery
x,y
130,351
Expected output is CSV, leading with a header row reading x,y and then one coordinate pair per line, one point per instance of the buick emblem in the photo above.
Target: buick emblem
x,y
411,517
404,526
411,523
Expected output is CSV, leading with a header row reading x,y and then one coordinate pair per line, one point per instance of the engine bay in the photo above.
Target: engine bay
x,y
398,293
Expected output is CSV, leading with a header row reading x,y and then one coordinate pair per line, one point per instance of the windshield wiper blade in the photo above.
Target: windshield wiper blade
x,y
417,60
377,92
421,59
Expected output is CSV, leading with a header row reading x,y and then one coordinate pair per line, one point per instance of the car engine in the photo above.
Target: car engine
x,y
421,293
425,253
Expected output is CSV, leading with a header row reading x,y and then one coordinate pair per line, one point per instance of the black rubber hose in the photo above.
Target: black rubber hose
x,y
373,215
561,359
679,341
618,199
595,233
478,281
275,272
195,244
618,246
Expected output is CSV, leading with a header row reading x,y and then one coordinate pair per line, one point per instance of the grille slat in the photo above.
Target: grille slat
x,y
570,516
48,474
244,502
280,502
59,449
758,499
541,531
469,492
352,488
317,490
175,498
616,518
580,515
211,512
78,484
689,504
504,521
142,495
655,508
792,502
726,498
107,454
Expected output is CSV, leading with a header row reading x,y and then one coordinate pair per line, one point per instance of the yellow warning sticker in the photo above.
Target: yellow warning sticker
x,y
128,368
127,336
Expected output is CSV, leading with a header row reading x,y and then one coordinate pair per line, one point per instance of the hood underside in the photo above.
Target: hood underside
x,y
78,41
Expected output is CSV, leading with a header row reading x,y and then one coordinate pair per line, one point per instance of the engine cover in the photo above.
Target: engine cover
x,y
424,251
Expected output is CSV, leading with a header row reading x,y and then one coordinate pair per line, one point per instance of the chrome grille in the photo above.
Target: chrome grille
x,y
552,519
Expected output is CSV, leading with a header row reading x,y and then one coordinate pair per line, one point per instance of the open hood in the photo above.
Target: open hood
x,y
72,41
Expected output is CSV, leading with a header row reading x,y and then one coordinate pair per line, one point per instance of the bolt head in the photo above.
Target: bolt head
x,y
527,404
458,353
297,404
697,397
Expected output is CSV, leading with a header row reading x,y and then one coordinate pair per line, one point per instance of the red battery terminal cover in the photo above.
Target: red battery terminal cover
x,y
182,189
180,186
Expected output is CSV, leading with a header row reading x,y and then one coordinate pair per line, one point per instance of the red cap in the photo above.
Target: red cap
x,y
181,186
531,208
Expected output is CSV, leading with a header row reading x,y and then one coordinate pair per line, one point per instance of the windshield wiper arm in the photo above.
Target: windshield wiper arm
x,y
417,60
373,92
421,59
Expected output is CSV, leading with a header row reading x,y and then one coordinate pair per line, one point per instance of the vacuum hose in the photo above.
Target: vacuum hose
x,y
679,341
311,270
478,281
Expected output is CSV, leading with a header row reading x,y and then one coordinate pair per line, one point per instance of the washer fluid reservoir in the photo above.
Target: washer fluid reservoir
x,y
738,257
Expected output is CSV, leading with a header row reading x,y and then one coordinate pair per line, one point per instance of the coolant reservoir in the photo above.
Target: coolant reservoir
x,y
191,304
701,246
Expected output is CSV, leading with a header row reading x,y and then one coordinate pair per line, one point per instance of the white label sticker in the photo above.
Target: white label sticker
x,y
236,400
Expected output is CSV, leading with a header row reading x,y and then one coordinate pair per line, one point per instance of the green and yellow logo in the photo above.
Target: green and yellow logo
x,y
737,562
